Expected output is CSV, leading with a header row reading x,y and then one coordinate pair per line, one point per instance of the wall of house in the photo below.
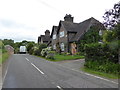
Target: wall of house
x,y
54,41
63,39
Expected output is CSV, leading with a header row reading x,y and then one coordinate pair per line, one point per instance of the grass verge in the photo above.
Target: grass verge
x,y
3,57
67,57
106,75
58,57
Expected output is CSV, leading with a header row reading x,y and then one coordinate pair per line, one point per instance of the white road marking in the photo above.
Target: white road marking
x,y
5,74
95,76
37,68
59,87
27,59
88,74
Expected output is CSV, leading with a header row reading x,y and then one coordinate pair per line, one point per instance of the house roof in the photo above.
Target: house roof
x,y
44,38
78,28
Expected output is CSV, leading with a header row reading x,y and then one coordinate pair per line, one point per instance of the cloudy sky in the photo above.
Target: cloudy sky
x,y
27,19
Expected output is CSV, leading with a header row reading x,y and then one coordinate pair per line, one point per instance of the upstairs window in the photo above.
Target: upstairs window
x,y
62,34
54,36
62,46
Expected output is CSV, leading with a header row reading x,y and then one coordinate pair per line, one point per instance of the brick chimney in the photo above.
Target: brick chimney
x,y
68,18
47,33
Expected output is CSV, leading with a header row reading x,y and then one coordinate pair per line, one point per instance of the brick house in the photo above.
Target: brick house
x,y
44,38
64,36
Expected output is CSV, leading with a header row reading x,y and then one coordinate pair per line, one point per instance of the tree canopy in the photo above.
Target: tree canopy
x,y
112,16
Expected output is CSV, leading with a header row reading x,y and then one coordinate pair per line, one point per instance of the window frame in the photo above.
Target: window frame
x,y
62,34
54,36
62,47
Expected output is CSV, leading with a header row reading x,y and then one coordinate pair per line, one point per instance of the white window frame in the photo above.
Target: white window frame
x,y
54,36
62,46
54,46
62,34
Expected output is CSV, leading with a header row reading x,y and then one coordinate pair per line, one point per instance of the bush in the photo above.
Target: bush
x,y
101,52
45,51
48,53
106,67
38,49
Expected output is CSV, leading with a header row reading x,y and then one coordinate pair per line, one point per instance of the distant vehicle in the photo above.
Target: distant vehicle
x,y
23,50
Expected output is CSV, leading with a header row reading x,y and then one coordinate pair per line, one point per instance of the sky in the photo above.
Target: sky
x,y
28,19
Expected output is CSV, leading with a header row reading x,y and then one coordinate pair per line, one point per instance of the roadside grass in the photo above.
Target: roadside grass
x,y
102,74
58,57
3,57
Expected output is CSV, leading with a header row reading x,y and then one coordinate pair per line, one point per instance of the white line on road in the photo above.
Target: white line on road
x,y
88,74
95,76
27,59
37,68
59,87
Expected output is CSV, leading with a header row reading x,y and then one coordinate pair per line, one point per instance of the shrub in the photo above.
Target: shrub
x,y
48,53
38,49
107,67
101,52
44,51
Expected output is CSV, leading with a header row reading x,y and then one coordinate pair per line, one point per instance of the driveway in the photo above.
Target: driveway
x,y
73,64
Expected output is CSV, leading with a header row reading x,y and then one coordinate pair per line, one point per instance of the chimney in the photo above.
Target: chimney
x,y
68,18
47,33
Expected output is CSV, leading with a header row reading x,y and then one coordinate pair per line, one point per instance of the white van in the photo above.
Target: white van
x,y
23,50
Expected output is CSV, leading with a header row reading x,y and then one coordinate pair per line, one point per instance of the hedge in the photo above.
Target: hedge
x,y
102,52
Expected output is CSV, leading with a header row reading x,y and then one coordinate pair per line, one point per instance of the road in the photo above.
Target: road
x,y
26,71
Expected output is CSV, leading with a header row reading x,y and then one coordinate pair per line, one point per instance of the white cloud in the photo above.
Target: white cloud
x,y
30,18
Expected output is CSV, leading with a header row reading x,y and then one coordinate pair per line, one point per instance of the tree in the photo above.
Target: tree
x,y
112,16
8,42
91,36
30,46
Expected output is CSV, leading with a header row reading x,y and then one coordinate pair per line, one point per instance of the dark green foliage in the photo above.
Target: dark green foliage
x,y
102,52
29,47
107,67
8,42
42,46
39,48
92,36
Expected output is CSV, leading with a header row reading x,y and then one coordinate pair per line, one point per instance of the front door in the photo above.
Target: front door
x,y
73,48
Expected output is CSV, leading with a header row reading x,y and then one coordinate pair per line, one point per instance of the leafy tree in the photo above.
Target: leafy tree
x,y
92,36
30,46
109,36
112,16
8,42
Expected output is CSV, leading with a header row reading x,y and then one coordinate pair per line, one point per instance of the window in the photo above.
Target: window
x,y
54,36
62,46
62,34
100,32
54,46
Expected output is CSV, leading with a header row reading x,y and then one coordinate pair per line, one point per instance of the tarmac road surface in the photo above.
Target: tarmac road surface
x,y
26,71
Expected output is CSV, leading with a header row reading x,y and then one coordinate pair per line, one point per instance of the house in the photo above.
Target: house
x,y
67,33
44,38
54,37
